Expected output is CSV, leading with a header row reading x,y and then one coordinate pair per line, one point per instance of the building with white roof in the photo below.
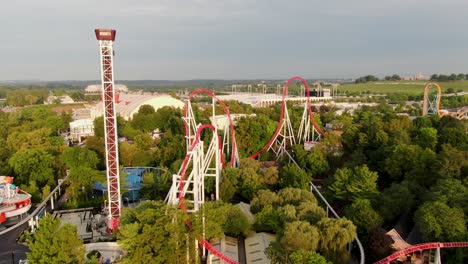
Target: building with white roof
x,y
129,104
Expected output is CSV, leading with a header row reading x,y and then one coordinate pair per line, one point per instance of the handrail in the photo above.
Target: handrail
x,y
37,210
361,248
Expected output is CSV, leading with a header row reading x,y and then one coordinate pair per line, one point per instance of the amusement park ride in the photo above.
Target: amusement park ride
x,y
200,162
106,39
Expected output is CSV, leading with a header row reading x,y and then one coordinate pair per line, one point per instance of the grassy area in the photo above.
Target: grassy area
x,y
407,87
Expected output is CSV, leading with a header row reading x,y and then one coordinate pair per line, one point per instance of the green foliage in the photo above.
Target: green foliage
x,y
427,137
22,97
413,88
367,78
82,163
439,222
363,216
396,200
80,157
335,234
292,176
350,184
300,235
153,233
273,210
156,186
236,222
55,243
450,192
268,219
302,256
246,180
252,133
314,161
33,165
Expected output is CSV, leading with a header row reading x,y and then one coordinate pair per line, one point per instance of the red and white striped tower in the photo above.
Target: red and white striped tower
x,y
106,39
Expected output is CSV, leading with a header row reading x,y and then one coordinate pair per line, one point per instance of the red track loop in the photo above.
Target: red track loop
x,y
181,197
283,105
226,110
419,247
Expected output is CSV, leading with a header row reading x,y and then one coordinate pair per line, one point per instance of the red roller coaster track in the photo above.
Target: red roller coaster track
x,y
419,247
226,110
283,106
181,197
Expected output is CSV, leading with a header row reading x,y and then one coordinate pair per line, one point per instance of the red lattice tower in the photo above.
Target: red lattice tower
x,y
106,39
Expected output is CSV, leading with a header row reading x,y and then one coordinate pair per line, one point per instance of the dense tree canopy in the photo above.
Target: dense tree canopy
x,y
55,243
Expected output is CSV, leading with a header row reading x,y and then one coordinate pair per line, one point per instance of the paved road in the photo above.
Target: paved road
x,y
10,251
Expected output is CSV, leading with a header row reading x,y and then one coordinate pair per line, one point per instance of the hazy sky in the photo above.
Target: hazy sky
x,y
229,39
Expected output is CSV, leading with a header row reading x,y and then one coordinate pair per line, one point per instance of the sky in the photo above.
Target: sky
x,y
233,39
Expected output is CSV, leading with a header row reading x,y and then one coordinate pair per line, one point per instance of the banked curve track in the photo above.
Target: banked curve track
x,y
283,107
226,110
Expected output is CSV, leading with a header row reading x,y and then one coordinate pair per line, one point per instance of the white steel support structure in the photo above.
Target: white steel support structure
x,y
190,124
285,137
203,164
106,39
307,131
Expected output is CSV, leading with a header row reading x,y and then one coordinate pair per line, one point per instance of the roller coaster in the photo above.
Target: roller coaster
x,y
208,163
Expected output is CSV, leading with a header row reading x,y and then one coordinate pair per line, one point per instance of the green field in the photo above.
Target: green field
x,y
407,87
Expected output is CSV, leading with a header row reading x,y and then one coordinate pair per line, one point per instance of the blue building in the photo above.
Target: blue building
x,y
133,181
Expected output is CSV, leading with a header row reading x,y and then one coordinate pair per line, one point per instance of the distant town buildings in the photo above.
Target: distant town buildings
x,y
418,77
64,99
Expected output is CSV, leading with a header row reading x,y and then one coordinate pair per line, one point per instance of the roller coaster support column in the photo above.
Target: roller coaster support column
x,y
106,39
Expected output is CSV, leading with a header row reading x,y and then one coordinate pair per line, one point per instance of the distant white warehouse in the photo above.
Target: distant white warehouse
x,y
129,104
97,88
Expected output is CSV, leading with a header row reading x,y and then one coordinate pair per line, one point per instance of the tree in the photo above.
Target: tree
x,y
335,234
82,163
451,192
76,157
55,243
155,186
363,216
300,235
401,160
236,223
427,137
154,233
310,212
252,133
33,165
229,184
302,256
268,219
439,222
292,176
295,196
264,198
451,163
350,184
314,161
396,200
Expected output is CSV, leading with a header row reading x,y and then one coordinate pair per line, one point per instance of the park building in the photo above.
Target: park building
x,y
129,104
269,99
97,88
126,106
222,121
